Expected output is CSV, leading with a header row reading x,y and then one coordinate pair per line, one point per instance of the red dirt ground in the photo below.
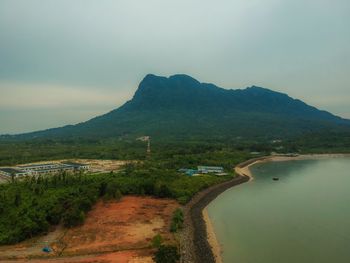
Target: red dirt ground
x,y
119,232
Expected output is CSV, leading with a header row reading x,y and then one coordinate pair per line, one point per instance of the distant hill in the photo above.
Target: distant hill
x,y
182,107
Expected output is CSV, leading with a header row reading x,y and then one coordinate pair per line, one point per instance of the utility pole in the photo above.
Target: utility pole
x,y
148,140
149,145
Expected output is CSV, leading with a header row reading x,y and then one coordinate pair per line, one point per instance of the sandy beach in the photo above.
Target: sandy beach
x,y
213,242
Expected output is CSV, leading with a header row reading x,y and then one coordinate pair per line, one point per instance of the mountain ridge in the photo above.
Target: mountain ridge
x,y
180,105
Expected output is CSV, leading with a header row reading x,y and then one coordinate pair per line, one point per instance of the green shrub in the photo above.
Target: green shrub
x,y
73,217
157,241
167,254
177,220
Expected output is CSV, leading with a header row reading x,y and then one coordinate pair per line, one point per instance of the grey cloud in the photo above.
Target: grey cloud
x,y
301,47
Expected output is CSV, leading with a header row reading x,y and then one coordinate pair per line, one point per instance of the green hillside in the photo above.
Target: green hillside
x,y
182,107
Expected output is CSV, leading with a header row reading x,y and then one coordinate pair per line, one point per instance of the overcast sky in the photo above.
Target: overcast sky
x,y
65,61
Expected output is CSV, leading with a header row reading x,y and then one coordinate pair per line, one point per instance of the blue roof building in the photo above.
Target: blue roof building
x,y
189,172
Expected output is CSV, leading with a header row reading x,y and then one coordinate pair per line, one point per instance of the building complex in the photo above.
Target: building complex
x,y
43,169
218,170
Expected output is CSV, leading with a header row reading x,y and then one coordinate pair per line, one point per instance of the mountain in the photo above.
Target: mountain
x,y
182,107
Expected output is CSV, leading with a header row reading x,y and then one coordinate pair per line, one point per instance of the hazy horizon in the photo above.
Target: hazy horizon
x,y
64,62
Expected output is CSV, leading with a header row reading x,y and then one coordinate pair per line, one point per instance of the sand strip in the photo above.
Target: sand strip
x,y
213,242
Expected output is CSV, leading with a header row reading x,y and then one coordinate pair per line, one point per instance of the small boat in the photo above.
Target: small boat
x,y
275,178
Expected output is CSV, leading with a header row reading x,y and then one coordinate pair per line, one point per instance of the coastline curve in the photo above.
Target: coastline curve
x,y
195,246
205,245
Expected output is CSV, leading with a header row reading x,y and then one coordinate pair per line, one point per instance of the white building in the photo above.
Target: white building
x,y
43,169
8,172
210,169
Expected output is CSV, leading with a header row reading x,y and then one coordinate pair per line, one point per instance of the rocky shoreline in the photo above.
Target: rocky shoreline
x,y
194,244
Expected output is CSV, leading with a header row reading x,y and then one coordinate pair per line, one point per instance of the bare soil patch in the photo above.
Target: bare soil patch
x,y
113,232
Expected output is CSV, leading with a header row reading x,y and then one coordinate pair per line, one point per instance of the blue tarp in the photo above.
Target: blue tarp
x,y
188,172
47,249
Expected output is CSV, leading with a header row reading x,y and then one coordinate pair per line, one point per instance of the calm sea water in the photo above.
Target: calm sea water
x,y
302,218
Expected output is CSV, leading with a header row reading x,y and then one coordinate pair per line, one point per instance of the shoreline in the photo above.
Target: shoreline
x,y
194,245
243,168
213,241
205,243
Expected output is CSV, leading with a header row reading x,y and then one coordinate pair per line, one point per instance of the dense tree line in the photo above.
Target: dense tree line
x,y
30,206
15,151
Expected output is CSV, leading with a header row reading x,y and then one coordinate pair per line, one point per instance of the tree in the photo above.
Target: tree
x,y
73,217
17,199
102,188
161,190
177,220
1,208
112,191
166,254
157,241
13,175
